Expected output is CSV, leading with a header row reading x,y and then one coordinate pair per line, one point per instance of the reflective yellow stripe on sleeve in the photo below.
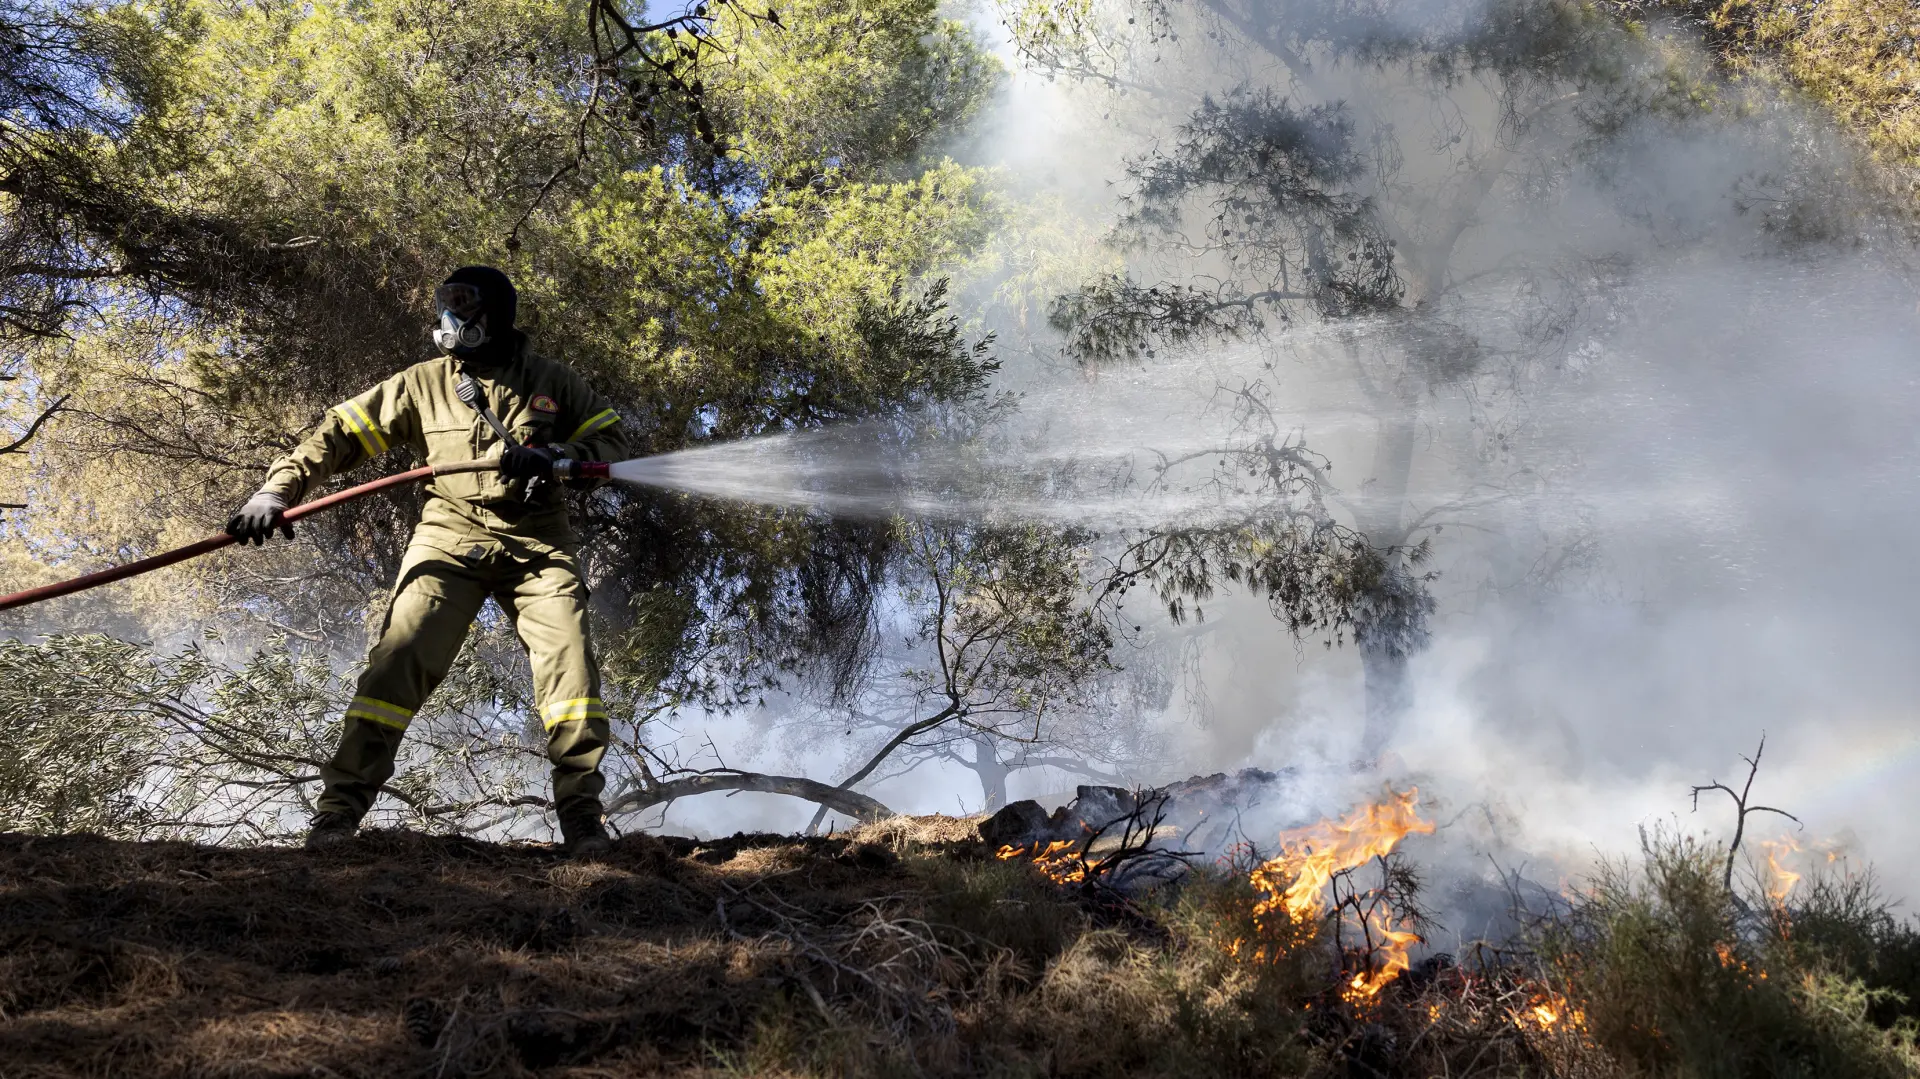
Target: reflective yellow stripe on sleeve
x,y
387,715
579,708
355,417
599,422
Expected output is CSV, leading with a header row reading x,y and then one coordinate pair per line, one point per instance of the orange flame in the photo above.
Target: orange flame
x,y
1310,856
1548,1010
1780,878
1058,860
1295,879
1389,960
1730,960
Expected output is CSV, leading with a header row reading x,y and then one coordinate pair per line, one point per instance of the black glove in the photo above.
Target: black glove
x,y
526,463
256,520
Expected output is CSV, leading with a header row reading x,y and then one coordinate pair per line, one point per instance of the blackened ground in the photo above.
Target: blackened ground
x,y
403,954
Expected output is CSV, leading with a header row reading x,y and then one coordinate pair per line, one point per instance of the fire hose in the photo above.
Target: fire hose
x,y
579,469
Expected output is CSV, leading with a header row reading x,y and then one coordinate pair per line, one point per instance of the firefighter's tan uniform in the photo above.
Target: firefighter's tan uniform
x,y
479,536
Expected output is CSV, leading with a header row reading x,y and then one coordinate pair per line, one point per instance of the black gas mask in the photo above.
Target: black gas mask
x,y
477,307
462,330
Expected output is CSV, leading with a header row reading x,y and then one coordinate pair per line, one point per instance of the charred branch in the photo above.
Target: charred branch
x,y
1742,806
852,804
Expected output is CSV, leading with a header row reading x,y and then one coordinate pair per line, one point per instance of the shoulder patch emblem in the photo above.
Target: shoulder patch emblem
x,y
543,403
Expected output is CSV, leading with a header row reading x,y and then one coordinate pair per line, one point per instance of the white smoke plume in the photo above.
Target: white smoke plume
x,y
1690,530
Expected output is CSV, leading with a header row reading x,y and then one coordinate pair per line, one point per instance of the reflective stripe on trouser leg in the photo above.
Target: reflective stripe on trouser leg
x,y
385,713
549,604
434,601
557,712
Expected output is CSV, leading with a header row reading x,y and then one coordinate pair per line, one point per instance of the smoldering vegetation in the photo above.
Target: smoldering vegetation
x,y
906,948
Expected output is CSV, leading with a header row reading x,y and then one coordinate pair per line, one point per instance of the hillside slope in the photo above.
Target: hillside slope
x,y
912,947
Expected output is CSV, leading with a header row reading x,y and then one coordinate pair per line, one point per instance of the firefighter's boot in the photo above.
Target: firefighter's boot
x,y
582,834
330,829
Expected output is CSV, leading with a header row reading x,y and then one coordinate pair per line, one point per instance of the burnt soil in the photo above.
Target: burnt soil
x,y
404,954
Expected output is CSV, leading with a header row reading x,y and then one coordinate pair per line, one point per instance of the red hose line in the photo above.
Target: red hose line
x,y
214,543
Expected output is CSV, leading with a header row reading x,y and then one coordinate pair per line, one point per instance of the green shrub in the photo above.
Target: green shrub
x,y
1839,921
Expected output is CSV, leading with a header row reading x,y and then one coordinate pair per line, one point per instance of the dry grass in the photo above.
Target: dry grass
x,y
409,955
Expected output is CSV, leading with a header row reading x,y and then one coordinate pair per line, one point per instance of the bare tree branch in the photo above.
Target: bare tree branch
x,y
1740,804
858,806
18,445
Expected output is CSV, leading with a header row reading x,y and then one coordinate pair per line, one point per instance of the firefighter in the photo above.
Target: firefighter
x,y
503,534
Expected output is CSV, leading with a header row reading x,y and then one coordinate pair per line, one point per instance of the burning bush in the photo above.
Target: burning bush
x,y
1677,974
1373,929
1658,968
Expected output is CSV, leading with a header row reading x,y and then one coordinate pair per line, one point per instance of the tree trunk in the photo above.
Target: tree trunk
x,y
992,772
1383,657
1384,652
1389,697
